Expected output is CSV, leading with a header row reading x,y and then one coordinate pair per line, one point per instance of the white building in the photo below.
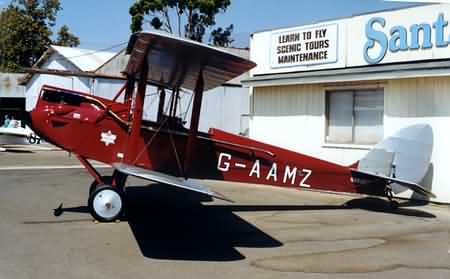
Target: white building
x,y
335,88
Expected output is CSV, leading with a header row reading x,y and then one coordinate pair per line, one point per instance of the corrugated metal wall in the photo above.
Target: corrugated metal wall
x,y
424,100
288,100
9,87
226,108
420,97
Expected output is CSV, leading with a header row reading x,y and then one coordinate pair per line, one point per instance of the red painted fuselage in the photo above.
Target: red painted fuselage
x,y
98,129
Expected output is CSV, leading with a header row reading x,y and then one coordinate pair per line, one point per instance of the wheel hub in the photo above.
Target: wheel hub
x,y
107,203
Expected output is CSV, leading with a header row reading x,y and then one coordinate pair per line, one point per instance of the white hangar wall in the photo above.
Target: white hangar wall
x,y
294,117
227,108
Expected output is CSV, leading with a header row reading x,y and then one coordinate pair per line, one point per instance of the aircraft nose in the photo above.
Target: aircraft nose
x,y
36,120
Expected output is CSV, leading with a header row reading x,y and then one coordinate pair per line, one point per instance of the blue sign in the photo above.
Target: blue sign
x,y
400,38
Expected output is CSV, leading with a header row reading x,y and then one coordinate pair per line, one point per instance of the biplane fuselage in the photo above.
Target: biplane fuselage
x,y
81,126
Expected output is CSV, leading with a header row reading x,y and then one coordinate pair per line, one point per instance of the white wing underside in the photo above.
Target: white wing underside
x,y
159,177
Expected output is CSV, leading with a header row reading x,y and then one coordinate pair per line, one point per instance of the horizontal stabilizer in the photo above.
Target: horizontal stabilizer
x,y
359,174
159,177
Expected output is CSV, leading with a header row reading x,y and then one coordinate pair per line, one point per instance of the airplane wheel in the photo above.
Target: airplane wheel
x,y
105,203
107,180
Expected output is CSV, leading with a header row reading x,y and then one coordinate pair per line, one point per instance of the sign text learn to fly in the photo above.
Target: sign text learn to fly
x,y
305,46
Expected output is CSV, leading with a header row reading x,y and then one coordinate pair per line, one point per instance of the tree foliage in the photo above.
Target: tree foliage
x,y
65,38
25,32
193,17
222,37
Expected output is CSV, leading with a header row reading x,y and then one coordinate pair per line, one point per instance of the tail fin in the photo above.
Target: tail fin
x,y
405,156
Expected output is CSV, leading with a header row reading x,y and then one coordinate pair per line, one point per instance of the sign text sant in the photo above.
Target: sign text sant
x,y
401,38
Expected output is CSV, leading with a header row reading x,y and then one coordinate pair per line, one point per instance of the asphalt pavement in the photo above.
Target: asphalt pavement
x,y
169,233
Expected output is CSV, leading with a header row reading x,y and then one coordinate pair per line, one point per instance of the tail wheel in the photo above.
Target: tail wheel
x,y
392,203
105,203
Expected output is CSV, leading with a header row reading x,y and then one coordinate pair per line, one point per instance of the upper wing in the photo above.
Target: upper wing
x,y
175,62
159,177
410,185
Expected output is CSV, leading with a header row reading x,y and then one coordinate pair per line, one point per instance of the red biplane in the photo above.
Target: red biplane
x,y
166,152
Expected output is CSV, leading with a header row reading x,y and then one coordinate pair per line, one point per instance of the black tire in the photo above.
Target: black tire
x,y
106,209
107,180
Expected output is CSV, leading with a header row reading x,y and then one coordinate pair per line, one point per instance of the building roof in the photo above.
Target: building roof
x,y
85,60
108,63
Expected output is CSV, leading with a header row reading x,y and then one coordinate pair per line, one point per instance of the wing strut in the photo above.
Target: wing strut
x,y
135,133
195,118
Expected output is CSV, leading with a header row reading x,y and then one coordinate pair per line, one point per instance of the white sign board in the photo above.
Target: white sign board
x,y
305,46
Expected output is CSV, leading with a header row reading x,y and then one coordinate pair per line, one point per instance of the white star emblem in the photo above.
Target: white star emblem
x,y
108,138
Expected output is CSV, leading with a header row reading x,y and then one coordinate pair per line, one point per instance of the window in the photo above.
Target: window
x,y
62,97
355,116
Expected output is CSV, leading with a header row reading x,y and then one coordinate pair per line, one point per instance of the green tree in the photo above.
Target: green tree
x,y
193,17
25,32
65,38
222,37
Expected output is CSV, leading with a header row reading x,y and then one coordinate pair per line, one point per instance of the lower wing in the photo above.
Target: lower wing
x,y
160,177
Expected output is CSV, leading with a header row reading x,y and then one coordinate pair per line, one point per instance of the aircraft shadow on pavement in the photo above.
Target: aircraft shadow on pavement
x,y
384,206
172,224
12,150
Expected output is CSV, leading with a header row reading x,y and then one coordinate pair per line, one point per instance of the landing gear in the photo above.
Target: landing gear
x,y
106,203
120,180
105,200
106,180
394,205
106,193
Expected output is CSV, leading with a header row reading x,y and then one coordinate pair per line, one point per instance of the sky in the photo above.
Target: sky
x,y
101,24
